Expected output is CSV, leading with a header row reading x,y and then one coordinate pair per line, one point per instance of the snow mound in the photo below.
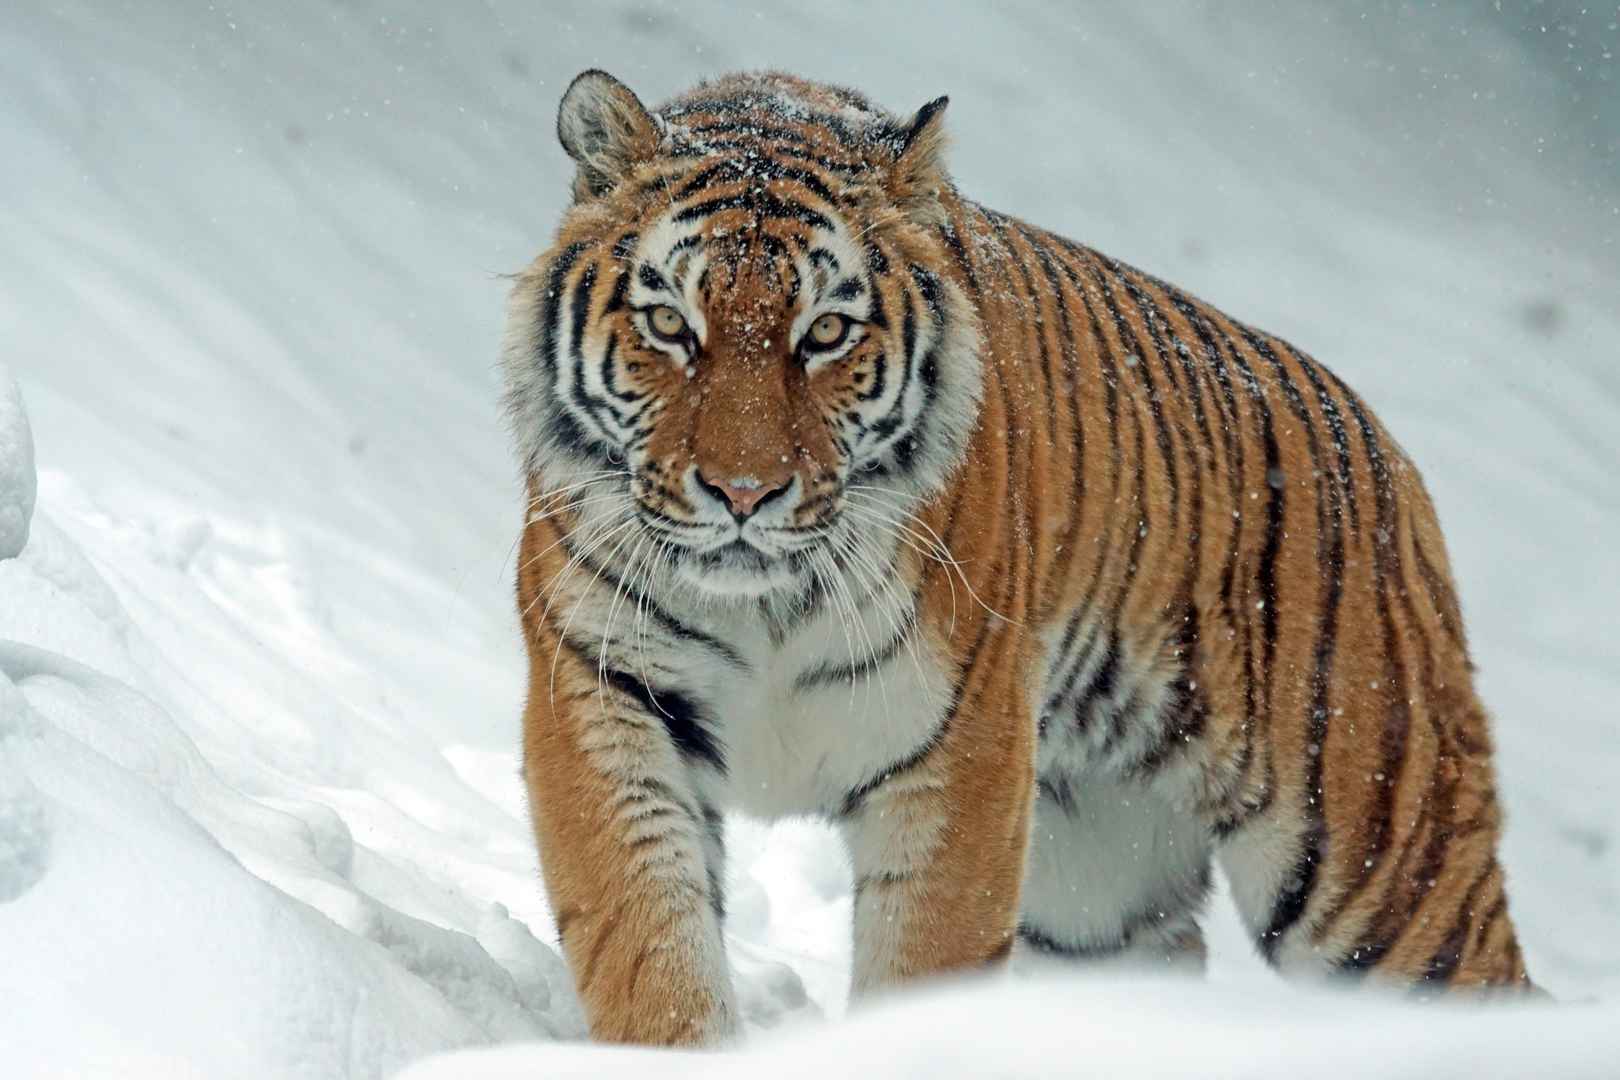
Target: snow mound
x,y
171,914
1121,1029
17,480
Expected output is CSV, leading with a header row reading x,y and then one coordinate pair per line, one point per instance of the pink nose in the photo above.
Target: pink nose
x,y
742,493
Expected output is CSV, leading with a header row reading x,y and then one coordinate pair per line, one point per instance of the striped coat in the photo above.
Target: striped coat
x,y
1047,582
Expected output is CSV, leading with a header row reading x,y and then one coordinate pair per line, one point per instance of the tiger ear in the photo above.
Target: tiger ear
x,y
918,174
606,128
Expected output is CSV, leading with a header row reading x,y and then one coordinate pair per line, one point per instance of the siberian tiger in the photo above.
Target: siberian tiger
x,y
1043,580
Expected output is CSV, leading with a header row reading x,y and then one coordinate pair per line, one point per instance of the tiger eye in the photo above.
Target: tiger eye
x,y
667,322
828,331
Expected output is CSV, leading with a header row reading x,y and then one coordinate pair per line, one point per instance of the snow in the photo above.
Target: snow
x,y
17,479
1129,1027
259,673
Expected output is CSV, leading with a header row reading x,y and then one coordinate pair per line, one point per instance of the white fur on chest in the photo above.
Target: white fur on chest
x,y
797,734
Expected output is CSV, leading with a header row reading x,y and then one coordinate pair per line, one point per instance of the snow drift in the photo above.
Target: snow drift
x,y
259,679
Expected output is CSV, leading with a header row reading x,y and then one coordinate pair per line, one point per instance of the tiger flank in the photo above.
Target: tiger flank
x,y
1044,581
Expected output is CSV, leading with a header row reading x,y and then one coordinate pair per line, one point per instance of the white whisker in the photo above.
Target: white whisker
x,y
584,594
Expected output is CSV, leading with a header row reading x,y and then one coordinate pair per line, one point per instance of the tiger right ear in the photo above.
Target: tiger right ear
x,y
606,128
918,174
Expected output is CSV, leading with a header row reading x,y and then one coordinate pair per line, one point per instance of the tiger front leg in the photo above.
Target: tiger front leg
x,y
622,847
938,847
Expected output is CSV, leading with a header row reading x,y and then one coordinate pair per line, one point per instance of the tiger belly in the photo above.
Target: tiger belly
x,y
1119,864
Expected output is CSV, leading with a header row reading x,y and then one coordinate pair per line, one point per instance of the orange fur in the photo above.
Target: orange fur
x,y
1211,496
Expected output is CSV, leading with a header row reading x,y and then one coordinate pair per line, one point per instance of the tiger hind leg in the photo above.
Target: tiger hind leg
x,y
1116,877
1390,872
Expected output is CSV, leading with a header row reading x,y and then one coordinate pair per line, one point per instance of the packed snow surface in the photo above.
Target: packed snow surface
x,y
259,672
1112,1028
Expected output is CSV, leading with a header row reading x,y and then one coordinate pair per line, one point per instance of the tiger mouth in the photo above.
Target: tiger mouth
x,y
738,550
773,544
738,568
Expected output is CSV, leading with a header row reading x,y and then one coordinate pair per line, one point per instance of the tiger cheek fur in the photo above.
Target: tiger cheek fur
x,y
850,497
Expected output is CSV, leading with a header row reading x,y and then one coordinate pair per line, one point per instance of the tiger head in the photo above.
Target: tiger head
x,y
747,339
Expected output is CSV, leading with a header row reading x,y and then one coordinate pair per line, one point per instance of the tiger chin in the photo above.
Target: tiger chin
x,y
1046,582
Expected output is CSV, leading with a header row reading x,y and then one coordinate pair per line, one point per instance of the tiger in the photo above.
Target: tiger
x,y
1047,584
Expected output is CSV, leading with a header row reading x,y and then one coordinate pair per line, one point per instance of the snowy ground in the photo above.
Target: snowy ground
x,y
259,676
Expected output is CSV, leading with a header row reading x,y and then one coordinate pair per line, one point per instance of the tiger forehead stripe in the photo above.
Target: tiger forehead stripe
x,y
762,203
782,108
753,171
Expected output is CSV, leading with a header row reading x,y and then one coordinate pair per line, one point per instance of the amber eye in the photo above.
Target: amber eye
x,y
827,332
668,323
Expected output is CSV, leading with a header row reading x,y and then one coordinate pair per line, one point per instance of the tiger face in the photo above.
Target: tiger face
x,y
741,348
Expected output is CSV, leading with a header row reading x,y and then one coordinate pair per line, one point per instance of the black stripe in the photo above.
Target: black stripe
x,y
714,146
1336,426
1020,520
581,306
1157,911
621,286
551,311
1398,717
1104,682
732,170
895,416
1048,945
1108,375
667,622
688,724
1161,427
714,825
1071,369
651,278
1065,668
651,795
1266,573
821,258
589,404
748,127
848,289
608,378
1226,404
858,795
1031,309
1058,790
828,673
691,240
751,106
876,261
762,203
882,877
953,240
1497,910
580,315
1292,901
1447,957
1152,318
1183,717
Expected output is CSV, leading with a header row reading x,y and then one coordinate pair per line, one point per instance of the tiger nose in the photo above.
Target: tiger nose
x,y
743,494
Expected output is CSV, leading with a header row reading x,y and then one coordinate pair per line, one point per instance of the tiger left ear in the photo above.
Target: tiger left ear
x,y
918,174
606,129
